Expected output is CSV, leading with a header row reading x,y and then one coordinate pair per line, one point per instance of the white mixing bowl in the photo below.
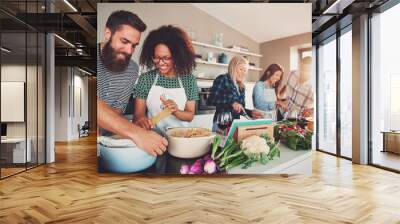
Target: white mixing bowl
x,y
193,147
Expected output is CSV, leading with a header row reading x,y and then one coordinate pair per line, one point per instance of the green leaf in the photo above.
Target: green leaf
x,y
264,158
236,162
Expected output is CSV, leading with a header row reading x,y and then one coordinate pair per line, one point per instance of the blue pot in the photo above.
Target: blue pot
x,y
124,160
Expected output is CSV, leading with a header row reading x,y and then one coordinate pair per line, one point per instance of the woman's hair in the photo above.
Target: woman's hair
x,y
270,71
178,43
233,63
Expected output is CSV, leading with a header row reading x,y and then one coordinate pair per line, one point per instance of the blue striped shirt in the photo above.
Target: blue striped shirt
x,y
115,88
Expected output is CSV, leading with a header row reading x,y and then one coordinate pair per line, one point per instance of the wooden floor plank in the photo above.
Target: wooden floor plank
x,y
71,191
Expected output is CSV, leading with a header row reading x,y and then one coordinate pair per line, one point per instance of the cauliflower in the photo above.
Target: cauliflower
x,y
255,145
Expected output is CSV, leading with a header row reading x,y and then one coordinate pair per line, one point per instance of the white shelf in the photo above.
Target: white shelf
x,y
225,49
224,65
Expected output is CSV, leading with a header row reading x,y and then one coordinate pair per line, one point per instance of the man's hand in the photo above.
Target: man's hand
x,y
169,104
237,107
145,123
151,142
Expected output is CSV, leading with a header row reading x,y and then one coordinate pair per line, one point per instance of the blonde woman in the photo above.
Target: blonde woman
x,y
228,91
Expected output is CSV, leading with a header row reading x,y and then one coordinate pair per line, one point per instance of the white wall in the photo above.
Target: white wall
x,y
67,115
15,73
80,83
284,51
189,18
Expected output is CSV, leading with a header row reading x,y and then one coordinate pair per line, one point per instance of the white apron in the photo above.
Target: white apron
x,y
155,106
269,95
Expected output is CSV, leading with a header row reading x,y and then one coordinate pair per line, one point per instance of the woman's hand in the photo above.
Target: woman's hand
x,y
307,113
237,107
169,104
145,123
256,114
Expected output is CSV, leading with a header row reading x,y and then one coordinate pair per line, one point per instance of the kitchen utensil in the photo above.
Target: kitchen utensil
x,y
223,59
163,114
243,113
122,156
187,147
210,57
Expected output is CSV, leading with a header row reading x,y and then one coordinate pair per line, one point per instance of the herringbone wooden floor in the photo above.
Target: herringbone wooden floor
x,y
71,191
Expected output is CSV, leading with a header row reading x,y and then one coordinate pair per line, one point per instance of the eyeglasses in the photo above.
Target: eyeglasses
x,y
163,59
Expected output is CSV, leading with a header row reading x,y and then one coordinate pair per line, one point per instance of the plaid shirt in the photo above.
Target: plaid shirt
x,y
300,96
223,94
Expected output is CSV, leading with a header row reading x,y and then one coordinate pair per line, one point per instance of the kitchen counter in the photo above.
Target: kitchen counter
x,y
290,162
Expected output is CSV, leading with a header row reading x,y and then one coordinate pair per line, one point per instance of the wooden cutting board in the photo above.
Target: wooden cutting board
x,y
246,131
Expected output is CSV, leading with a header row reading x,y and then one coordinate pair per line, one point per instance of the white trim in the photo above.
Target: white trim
x,y
84,71
224,65
70,5
225,49
5,50
65,41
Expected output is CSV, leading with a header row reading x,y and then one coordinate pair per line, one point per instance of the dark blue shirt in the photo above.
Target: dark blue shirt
x,y
223,94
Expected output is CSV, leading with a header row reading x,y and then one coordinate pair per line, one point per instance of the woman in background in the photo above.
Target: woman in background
x,y
227,93
265,92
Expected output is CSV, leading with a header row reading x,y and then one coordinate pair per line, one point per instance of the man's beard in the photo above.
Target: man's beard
x,y
109,58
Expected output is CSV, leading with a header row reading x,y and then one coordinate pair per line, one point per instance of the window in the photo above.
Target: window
x,y
22,72
327,96
385,88
346,93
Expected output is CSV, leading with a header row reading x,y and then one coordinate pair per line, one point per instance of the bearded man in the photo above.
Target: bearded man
x,y
116,76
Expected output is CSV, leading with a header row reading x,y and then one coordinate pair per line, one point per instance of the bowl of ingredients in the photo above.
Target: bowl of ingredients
x,y
120,155
188,142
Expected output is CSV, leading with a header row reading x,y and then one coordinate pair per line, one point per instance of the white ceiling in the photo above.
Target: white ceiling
x,y
262,21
